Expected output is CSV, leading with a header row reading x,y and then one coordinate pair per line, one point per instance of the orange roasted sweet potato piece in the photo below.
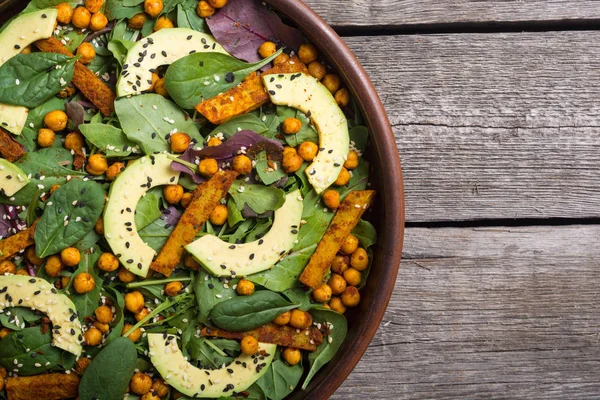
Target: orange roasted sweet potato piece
x,y
276,334
204,199
88,83
10,148
344,221
45,386
247,96
15,243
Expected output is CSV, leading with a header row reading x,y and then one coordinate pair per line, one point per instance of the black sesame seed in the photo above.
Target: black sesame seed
x,y
272,79
261,241
130,261
272,92
127,244
136,65
153,135
251,256
229,77
153,55
223,266
164,53
336,164
189,37
294,231
278,86
32,280
44,16
232,247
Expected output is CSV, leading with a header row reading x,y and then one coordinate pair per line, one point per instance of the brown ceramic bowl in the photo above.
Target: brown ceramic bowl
x,y
386,178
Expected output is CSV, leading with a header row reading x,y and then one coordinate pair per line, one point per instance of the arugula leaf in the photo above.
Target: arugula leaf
x,y
30,79
234,215
86,303
209,292
148,119
76,206
280,380
108,139
200,76
258,197
249,122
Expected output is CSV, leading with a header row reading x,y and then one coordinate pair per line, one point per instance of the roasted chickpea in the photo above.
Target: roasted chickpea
x,y
160,88
92,337
249,345
337,284
349,245
204,10
56,120
331,199
267,49
352,276
3,333
68,91
114,170
351,160
134,302
173,288
53,188
343,178
291,126
108,262
54,266
245,287
336,305
153,81
189,262
332,82
359,259
242,164
218,215
289,150
133,336
173,193
137,21
150,396
186,199
180,142
160,387
32,257
125,276
208,167
81,18
98,22
300,319
322,294
283,318
70,256
163,23
214,142
153,7
7,267
94,6
291,163
291,356
308,151
97,164
99,226
103,314
317,70
102,327
22,271
74,141
26,50
143,314
65,13
281,59
217,3
307,53
140,383
46,137
342,97
84,283
81,365
350,297
64,281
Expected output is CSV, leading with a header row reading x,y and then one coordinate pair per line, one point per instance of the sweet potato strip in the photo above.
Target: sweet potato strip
x,y
15,243
344,221
276,334
10,148
45,386
205,198
247,96
90,85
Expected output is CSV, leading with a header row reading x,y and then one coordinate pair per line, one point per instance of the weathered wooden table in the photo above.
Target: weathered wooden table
x,y
496,111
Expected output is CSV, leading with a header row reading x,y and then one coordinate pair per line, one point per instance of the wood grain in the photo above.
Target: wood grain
x,y
501,312
492,126
403,13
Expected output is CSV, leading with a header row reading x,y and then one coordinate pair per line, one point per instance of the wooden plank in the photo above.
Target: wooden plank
x,y
495,126
479,313
406,13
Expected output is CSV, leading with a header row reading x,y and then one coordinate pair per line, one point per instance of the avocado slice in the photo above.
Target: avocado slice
x,y
226,259
20,33
12,178
38,294
160,48
236,376
305,93
119,214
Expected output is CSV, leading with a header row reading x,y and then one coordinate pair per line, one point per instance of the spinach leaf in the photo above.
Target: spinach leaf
x,y
358,181
244,122
147,210
148,119
209,292
72,38
359,136
35,118
200,76
110,140
248,312
14,318
202,350
88,241
30,347
234,215
107,377
280,380
307,132
284,275
86,303
338,327
115,9
118,303
119,49
267,174
131,3
41,4
156,234
258,197
300,296
28,80
366,233
187,17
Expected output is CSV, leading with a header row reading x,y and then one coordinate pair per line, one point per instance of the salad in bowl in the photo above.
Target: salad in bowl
x,y
182,197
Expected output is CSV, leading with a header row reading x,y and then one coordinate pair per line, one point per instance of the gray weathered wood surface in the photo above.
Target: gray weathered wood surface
x,y
407,13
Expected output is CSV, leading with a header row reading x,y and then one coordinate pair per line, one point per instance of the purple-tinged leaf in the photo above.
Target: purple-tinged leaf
x,y
76,113
243,25
5,222
171,216
101,32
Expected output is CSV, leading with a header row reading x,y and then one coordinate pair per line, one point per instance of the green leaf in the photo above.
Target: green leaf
x,y
280,380
41,4
243,313
243,122
267,174
118,303
146,119
119,48
258,197
359,136
147,210
28,80
13,318
108,139
209,292
300,296
88,241
80,202
115,9
187,17
107,377
366,233
202,350
156,234
72,38
307,132
35,118
131,3
234,214
203,75
284,275
338,327
86,303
